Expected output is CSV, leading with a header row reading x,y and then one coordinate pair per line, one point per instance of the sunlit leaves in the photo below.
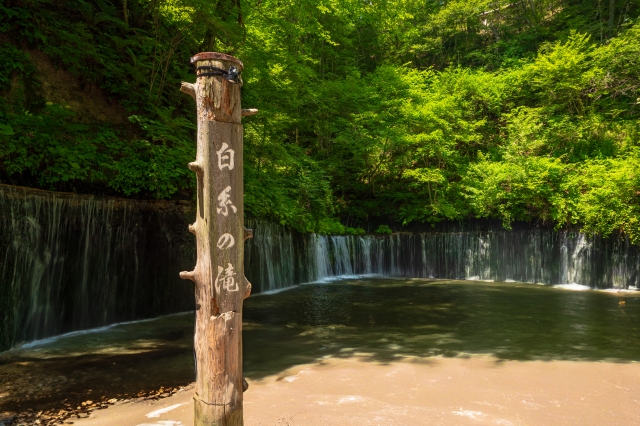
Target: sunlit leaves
x,y
563,73
391,110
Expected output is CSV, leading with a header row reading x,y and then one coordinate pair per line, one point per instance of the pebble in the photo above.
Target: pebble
x,y
75,410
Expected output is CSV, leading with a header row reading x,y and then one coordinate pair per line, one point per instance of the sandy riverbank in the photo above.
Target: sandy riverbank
x,y
431,391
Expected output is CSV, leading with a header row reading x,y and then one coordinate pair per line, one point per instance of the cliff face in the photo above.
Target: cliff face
x,y
71,262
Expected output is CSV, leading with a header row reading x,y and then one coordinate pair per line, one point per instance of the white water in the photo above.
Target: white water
x,y
70,262
569,260
41,342
573,287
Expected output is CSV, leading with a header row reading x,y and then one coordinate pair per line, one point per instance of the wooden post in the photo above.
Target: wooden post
x,y
220,284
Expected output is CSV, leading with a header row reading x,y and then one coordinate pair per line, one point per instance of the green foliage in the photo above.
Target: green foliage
x,y
383,229
354,231
607,193
330,226
522,189
6,130
62,151
12,60
391,111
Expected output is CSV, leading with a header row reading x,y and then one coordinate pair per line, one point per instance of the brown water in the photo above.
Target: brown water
x,y
382,319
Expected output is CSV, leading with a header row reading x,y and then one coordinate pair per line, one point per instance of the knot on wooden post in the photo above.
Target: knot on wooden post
x,y
249,111
247,292
188,275
189,89
195,167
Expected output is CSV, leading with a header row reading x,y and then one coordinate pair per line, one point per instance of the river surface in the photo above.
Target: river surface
x,y
380,319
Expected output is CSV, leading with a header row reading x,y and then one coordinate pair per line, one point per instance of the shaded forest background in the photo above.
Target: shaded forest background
x,y
385,111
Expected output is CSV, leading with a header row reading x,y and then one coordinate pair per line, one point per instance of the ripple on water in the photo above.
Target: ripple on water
x,y
376,319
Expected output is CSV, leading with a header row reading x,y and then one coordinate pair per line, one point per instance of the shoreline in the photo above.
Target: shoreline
x,y
474,390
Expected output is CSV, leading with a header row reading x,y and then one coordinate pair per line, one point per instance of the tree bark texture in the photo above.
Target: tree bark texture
x,y
220,284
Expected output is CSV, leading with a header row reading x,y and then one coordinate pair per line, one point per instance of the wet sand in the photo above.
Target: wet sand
x,y
479,390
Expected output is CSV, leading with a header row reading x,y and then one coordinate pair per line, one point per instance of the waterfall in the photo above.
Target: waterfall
x,y
320,256
542,256
342,265
277,258
70,262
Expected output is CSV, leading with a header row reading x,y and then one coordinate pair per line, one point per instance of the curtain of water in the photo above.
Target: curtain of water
x,y
71,262
533,255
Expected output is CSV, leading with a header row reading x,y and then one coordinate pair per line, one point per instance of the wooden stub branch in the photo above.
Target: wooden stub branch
x,y
248,112
220,284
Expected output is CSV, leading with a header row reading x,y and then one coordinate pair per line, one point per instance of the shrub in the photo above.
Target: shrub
x,y
383,229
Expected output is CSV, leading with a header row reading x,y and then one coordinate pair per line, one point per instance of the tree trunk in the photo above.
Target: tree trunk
x,y
612,16
220,284
125,12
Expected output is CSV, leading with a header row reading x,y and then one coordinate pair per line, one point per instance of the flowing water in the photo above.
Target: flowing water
x,y
379,319
278,258
70,262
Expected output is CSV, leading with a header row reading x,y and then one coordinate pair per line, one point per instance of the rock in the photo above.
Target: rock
x,y
112,401
6,418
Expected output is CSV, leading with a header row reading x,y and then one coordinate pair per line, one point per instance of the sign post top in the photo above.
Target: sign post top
x,y
216,56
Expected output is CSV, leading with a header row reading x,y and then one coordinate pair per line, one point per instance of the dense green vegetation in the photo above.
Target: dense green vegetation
x,y
389,111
